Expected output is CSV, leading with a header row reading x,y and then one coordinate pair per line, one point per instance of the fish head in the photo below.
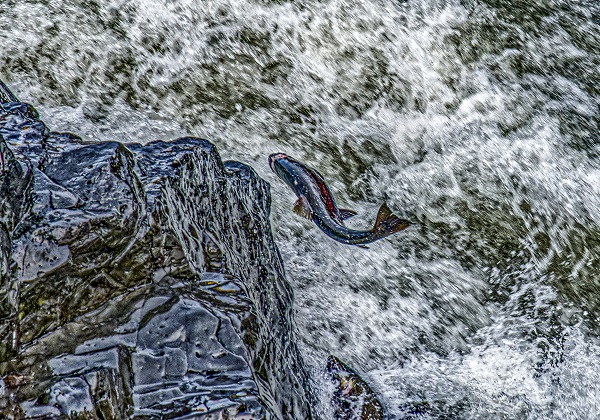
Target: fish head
x,y
274,158
284,167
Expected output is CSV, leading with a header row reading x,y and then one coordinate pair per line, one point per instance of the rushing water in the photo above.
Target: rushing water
x,y
479,121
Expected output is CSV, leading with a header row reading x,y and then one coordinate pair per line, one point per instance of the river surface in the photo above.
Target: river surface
x,y
477,120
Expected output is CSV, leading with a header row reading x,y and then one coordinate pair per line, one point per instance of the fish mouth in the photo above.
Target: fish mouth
x,y
275,157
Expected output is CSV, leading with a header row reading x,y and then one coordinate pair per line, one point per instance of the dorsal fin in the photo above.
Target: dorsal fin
x,y
346,213
387,222
302,208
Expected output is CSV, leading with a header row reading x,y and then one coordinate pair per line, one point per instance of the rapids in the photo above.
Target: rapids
x,y
477,120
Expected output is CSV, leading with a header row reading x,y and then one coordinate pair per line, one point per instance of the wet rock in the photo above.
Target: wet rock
x,y
353,398
138,281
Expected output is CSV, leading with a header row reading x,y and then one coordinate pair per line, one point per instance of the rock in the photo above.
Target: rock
x,y
138,281
353,398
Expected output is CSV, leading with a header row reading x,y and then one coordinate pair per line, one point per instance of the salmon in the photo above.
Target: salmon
x,y
315,202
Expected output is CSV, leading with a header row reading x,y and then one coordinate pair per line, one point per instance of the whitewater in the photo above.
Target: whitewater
x,y
478,121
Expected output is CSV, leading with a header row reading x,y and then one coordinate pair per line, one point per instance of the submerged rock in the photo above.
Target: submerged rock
x,y
138,281
353,398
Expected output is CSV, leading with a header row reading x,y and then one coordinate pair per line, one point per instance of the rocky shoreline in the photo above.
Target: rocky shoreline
x,y
139,281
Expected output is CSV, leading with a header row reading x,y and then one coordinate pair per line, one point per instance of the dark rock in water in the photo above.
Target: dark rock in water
x,y
138,281
353,398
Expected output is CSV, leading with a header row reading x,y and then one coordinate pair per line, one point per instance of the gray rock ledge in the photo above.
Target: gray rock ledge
x,y
138,281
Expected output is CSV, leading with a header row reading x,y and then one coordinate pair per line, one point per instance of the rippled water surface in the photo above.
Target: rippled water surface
x,y
479,121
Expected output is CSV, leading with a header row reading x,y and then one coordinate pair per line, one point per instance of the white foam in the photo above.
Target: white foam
x,y
471,149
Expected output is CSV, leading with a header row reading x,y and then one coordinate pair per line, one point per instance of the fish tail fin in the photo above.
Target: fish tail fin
x,y
388,223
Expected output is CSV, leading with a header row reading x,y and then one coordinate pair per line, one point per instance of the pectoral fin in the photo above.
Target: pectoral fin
x,y
302,208
346,214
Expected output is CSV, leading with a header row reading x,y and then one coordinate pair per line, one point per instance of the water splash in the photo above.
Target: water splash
x,y
476,119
